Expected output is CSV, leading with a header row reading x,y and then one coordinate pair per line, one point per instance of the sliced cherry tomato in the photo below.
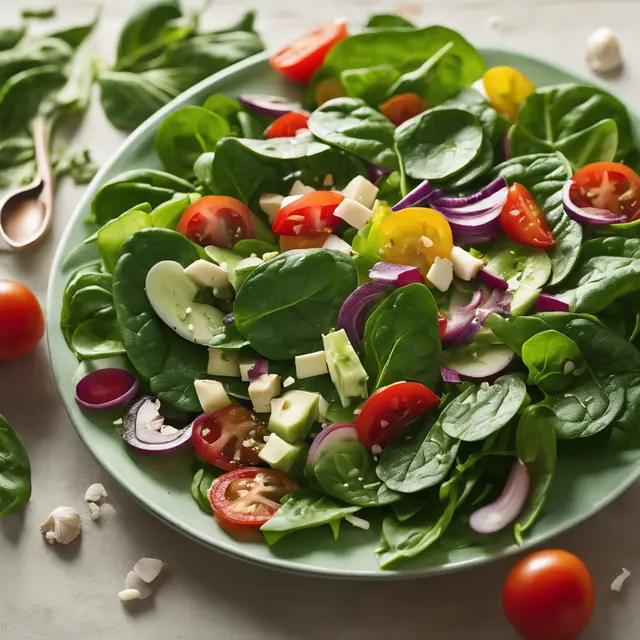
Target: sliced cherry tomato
x,y
403,107
390,409
523,221
229,438
289,243
549,595
607,185
328,89
21,320
415,236
246,498
216,220
309,215
442,324
288,125
507,89
302,57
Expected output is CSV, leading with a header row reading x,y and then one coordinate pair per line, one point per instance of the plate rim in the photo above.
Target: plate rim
x,y
231,550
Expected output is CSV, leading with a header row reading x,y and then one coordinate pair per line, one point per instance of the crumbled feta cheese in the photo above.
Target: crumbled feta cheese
x,y
263,390
357,522
427,243
603,51
513,283
271,203
207,274
362,191
288,381
297,229
465,266
94,510
335,243
148,568
484,386
244,369
286,201
353,213
616,585
440,275
211,395
129,594
376,449
310,365
270,255
299,189
569,366
168,430
95,493
223,362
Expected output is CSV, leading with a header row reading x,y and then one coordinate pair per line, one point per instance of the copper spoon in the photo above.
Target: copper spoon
x,y
25,214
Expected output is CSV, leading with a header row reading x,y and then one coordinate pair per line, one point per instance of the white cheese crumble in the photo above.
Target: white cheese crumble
x,y
616,585
357,522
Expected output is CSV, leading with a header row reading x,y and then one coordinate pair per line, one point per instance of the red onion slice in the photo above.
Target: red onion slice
x,y
338,432
472,238
144,425
268,105
492,280
259,368
449,375
423,191
496,200
485,192
587,215
399,275
228,319
550,303
462,317
504,510
106,389
351,316
376,172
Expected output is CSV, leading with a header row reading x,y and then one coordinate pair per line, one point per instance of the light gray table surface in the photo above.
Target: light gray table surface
x,y
70,593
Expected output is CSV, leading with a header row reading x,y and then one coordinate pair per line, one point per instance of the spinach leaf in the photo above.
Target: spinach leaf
x,y
348,123
130,188
346,471
384,20
370,84
97,337
418,460
527,270
608,269
481,164
550,356
438,143
77,164
226,107
401,340
38,14
111,236
569,118
185,134
544,175
535,447
31,53
200,485
17,161
286,304
305,510
404,540
478,412
15,471
10,36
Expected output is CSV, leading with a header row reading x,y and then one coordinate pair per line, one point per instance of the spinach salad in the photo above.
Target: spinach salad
x,y
395,303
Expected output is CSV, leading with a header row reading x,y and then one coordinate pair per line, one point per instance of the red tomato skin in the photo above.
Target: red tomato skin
x,y
549,595
300,59
442,325
21,320
403,107
288,125
522,220
316,210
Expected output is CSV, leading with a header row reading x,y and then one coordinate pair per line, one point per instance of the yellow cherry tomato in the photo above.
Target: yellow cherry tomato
x,y
327,90
507,89
415,236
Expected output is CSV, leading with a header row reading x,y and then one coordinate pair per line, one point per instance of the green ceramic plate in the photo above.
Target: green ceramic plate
x,y
583,484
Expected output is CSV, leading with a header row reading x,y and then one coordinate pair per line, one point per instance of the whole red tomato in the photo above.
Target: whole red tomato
x,y
21,320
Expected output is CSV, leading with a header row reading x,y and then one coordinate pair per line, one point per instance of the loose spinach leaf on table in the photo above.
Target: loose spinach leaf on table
x,y
544,175
418,459
401,340
536,448
385,20
348,123
10,36
287,303
305,510
479,412
185,134
15,471
130,188
438,143
168,362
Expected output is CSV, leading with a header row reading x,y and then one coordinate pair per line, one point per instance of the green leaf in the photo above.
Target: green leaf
x,y
385,20
38,14
116,231
10,36
97,338
15,471
286,304
370,84
438,143
401,340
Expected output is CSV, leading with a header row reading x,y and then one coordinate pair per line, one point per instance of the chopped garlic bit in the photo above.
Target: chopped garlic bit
x,y
616,585
603,51
357,522
94,510
288,381
63,525
148,568
95,493
376,449
569,366
134,581
129,594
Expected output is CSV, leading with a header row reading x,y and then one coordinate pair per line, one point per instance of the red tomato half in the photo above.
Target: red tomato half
x,y
288,125
607,185
21,320
390,409
302,57
309,215
216,220
229,438
523,221
246,498
549,595
403,107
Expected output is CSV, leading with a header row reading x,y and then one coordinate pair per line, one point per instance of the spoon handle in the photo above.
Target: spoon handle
x,y
41,138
